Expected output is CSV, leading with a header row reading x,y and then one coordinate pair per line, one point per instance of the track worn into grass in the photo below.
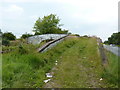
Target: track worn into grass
x,y
79,67
102,52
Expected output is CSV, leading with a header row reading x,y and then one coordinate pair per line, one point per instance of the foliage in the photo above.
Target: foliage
x,y
77,35
37,33
47,25
8,49
24,36
85,36
5,42
15,42
22,49
114,39
8,36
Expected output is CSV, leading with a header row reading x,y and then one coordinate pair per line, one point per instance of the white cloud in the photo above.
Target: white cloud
x,y
14,9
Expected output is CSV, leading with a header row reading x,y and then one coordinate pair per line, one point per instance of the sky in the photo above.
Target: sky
x,y
83,17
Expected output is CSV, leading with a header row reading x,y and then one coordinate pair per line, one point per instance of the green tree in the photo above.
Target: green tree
x,y
114,39
8,36
24,36
48,25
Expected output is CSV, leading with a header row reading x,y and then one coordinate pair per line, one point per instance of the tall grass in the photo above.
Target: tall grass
x,y
28,69
111,70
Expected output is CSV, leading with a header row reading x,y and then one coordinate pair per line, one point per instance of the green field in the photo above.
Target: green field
x,y
79,65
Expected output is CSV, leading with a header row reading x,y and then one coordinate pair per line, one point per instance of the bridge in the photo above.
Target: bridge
x,y
113,49
56,38
39,38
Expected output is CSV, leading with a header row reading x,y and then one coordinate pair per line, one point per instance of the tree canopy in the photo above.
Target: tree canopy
x,y
114,39
8,36
24,36
48,25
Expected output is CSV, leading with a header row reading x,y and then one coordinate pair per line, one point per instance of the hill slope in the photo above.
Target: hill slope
x,y
79,66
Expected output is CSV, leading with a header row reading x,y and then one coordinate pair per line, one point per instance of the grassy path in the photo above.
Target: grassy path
x,y
79,67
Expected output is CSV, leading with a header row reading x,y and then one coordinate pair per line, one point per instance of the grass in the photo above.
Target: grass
x,y
111,69
79,67
28,70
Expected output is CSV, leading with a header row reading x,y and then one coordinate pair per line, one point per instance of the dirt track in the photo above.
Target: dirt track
x,y
102,52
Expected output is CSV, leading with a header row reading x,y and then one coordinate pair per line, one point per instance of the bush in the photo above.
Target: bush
x,y
77,35
22,50
24,36
8,36
35,61
5,42
85,36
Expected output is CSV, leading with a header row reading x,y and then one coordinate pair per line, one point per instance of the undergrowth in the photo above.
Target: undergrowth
x,y
25,67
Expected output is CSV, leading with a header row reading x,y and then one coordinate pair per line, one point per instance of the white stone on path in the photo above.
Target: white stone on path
x,y
48,75
55,63
47,80
101,79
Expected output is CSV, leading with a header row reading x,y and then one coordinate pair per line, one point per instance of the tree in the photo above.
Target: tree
x,y
114,39
8,36
48,25
106,42
24,36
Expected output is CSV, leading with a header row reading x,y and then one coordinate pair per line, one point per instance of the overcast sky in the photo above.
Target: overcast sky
x,y
84,17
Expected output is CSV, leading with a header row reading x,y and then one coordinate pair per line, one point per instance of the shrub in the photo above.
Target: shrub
x,y
8,36
85,36
77,35
22,50
24,36
35,61
5,42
